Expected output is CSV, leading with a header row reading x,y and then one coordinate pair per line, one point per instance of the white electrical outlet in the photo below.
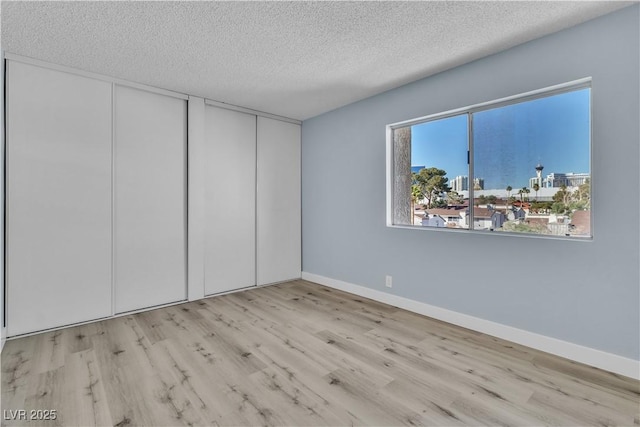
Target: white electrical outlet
x,y
388,281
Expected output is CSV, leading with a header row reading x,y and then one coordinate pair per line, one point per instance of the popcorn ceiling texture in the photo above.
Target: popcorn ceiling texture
x,y
295,59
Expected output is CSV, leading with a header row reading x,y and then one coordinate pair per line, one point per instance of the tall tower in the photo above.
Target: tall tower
x,y
539,174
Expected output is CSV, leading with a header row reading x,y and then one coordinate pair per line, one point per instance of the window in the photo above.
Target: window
x,y
519,165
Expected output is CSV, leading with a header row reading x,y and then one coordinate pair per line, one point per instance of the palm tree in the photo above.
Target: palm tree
x,y
536,187
508,194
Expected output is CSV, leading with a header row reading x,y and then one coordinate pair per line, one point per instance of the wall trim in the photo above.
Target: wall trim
x,y
578,353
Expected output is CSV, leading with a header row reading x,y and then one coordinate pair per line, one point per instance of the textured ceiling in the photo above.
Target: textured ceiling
x,y
296,59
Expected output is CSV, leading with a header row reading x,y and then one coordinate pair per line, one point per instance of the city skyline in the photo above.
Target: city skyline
x,y
510,141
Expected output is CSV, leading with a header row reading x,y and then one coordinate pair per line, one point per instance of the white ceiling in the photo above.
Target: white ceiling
x,y
295,59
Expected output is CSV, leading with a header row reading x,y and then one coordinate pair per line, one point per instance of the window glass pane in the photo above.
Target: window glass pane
x,y
532,166
439,173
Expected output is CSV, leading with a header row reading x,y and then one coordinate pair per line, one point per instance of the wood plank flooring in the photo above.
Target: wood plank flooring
x,y
299,354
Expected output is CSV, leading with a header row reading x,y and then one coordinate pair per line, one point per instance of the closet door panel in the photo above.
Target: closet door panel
x,y
278,198
150,199
58,198
230,200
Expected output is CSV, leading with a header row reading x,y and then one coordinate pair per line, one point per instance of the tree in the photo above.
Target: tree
x,y
509,188
582,195
561,200
453,198
440,203
562,195
543,207
536,187
558,208
432,182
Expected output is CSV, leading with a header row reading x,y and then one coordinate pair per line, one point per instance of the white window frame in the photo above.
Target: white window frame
x,y
571,86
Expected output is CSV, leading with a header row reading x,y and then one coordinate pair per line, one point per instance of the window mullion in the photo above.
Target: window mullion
x,y
471,172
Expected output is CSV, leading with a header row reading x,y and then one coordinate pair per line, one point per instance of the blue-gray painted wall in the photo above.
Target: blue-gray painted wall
x,y
582,292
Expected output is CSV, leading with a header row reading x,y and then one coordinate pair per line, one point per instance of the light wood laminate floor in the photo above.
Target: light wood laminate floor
x,y
299,354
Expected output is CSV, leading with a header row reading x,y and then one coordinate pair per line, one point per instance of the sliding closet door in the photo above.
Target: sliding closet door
x,y
230,209
150,199
58,198
279,212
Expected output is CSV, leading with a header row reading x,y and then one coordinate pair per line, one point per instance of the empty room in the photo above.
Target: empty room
x,y
321,213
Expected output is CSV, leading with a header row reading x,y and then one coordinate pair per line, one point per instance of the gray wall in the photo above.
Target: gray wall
x,y
582,292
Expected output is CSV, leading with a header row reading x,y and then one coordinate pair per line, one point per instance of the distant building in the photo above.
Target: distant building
x,y
461,183
433,221
570,179
516,214
487,219
538,178
558,179
533,181
450,216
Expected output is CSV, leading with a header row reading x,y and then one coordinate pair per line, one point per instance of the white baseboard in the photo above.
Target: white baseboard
x,y
587,355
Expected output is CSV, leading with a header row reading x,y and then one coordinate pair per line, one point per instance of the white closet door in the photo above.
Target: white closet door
x,y
279,211
150,199
58,198
230,217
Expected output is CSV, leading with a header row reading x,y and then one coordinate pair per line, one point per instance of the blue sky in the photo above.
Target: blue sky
x,y
510,141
